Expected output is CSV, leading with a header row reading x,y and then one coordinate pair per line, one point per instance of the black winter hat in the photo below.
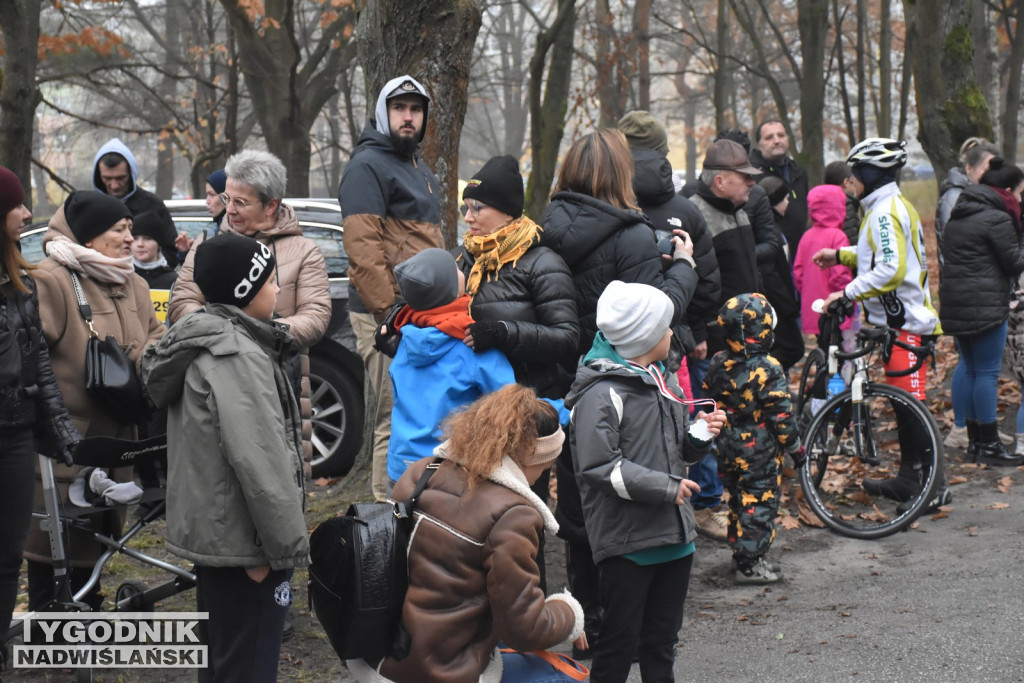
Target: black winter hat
x,y
498,184
231,268
90,213
154,226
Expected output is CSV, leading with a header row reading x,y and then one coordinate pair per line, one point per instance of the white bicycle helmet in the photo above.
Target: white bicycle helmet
x,y
879,152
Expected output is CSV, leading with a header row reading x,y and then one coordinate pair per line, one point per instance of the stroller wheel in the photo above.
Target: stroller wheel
x,y
132,592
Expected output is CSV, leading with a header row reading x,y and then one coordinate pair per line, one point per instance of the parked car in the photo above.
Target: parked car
x,y
336,370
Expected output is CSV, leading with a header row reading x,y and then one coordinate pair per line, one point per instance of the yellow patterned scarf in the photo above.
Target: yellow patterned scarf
x,y
493,251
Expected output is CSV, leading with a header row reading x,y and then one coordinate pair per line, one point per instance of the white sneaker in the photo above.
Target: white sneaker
x,y
957,438
712,522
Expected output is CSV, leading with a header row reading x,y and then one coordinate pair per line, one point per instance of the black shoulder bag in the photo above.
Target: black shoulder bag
x,y
110,377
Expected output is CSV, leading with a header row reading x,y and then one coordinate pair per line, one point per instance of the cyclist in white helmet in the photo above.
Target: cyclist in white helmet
x,y
892,283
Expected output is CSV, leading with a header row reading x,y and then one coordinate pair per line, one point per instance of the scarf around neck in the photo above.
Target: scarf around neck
x,y
452,318
1012,206
82,259
492,252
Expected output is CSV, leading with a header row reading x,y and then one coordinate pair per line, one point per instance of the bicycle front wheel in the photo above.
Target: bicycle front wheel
x,y
847,443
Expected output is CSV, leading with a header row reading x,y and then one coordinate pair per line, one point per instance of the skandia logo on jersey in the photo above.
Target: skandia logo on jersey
x,y
256,268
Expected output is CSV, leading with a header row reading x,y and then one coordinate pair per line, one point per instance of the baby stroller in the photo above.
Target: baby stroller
x,y
58,517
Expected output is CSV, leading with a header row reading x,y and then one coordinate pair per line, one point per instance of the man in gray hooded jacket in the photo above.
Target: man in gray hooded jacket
x,y
390,211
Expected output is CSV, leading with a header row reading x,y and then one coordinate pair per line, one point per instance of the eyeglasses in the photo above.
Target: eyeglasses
x,y
472,208
239,204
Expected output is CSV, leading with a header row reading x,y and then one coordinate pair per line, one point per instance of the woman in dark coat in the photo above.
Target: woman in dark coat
x,y
982,256
523,297
595,224
30,401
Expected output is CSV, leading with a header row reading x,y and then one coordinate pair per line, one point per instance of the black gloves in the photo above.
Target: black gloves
x,y
488,334
66,453
386,337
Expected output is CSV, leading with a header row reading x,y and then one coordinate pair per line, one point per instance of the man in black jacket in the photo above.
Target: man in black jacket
x,y
668,211
115,172
772,158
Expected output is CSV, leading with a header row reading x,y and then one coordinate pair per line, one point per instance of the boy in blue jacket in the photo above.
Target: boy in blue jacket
x,y
630,445
434,372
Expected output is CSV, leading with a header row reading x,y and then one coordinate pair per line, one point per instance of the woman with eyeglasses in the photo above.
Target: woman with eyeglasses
x,y
522,294
594,222
254,207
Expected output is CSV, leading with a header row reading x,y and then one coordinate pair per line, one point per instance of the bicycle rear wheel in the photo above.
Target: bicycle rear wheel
x,y
846,444
813,377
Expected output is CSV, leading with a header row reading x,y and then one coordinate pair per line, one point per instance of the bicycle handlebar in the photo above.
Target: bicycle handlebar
x,y
883,336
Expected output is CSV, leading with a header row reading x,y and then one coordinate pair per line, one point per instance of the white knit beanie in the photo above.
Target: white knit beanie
x,y
633,317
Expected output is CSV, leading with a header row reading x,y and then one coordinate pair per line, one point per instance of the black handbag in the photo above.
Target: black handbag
x,y
110,377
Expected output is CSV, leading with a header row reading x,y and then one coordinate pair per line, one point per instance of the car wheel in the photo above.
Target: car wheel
x,y
337,417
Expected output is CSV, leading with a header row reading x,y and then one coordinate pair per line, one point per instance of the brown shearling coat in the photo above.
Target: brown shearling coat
x,y
474,578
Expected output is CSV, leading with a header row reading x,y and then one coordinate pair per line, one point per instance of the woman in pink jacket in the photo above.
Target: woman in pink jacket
x,y
826,205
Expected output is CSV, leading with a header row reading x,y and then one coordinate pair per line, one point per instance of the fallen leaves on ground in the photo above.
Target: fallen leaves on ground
x,y
997,506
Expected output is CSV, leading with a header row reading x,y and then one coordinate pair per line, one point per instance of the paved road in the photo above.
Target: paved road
x,y
944,602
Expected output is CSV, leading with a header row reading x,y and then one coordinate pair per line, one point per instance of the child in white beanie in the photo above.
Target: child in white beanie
x,y
630,445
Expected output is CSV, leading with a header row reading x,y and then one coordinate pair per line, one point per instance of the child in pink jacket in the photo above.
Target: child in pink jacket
x,y
826,205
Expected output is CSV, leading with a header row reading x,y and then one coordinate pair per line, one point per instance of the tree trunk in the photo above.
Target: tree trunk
x,y
168,92
885,70
813,22
862,27
547,114
392,41
642,31
1011,105
841,61
723,72
19,95
950,105
287,95
610,61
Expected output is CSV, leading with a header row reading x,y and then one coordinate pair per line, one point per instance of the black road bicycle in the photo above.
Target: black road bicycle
x,y
853,435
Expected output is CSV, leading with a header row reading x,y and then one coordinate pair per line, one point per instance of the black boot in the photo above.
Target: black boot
x,y
940,496
991,450
971,454
907,482
903,487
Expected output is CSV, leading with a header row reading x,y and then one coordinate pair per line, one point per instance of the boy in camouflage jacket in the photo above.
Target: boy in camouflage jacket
x,y
751,387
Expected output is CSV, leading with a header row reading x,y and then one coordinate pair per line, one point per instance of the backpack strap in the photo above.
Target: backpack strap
x,y
405,508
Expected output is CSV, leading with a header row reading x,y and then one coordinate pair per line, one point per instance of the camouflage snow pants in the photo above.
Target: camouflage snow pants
x,y
754,485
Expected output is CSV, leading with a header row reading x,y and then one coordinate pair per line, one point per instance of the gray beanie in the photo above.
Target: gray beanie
x,y
428,280
633,317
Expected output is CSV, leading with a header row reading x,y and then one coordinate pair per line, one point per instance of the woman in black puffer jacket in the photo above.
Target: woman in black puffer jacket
x,y
982,254
523,297
30,402
595,224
